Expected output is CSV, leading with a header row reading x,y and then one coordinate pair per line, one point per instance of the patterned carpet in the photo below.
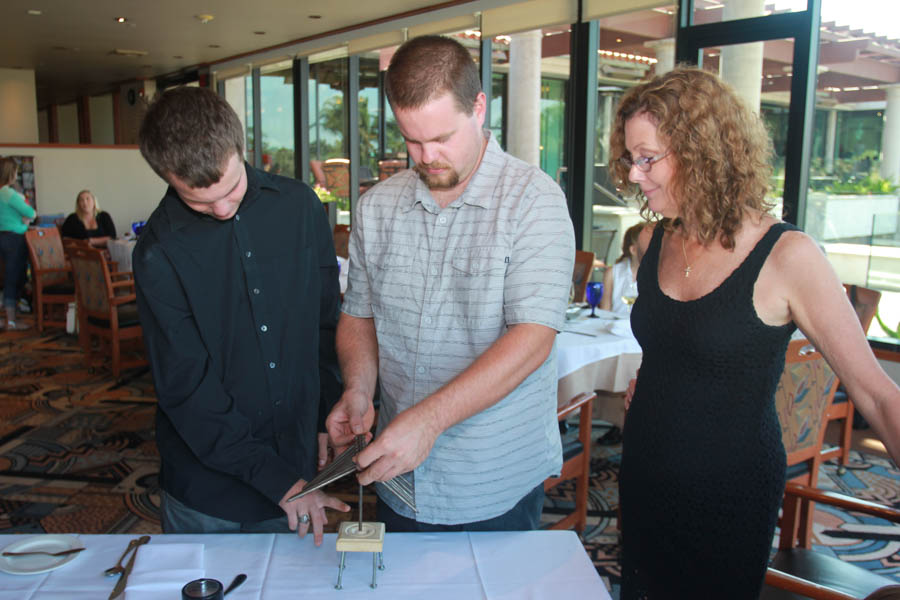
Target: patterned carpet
x,y
77,454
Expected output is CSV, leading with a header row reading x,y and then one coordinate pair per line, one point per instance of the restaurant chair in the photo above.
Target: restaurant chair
x,y
51,275
802,400
796,571
390,166
584,263
337,176
865,303
342,240
576,459
107,309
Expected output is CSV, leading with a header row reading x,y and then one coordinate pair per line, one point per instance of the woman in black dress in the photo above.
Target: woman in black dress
x,y
723,286
88,222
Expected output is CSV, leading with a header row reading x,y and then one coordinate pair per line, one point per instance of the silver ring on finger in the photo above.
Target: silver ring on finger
x,y
304,519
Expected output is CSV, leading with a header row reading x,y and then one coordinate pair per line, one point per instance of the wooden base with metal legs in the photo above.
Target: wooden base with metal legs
x,y
365,536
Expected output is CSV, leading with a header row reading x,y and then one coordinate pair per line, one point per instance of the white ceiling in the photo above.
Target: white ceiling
x,y
71,44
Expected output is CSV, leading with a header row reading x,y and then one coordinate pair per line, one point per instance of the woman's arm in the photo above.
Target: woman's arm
x,y
819,306
606,299
106,225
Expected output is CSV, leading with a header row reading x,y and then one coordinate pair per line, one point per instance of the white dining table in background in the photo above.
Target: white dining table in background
x,y
120,252
438,566
597,354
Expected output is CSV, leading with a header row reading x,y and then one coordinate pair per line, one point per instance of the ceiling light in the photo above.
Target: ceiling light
x,y
35,12
315,16
204,19
259,33
215,46
121,19
619,40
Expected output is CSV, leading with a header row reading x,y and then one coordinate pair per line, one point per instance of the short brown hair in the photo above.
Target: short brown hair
x,y
190,132
8,168
426,67
720,149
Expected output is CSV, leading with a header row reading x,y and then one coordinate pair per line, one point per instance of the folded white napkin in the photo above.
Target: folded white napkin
x,y
621,327
161,570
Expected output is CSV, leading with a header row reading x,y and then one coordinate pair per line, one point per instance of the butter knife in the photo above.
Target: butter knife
x,y
123,579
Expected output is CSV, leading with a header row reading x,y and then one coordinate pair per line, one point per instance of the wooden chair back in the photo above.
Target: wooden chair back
x,y
390,166
802,400
804,394
107,307
576,460
337,176
51,276
584,263
45,248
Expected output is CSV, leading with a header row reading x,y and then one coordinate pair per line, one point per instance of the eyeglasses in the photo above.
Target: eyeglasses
x,y
643,163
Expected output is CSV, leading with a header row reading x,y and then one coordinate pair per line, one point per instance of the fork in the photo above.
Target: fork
x,y
29,553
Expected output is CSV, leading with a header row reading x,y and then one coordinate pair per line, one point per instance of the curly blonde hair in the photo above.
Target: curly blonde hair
x,y
720,148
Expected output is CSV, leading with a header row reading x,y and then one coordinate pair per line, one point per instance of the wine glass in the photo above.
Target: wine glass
x,y
629,294
594,293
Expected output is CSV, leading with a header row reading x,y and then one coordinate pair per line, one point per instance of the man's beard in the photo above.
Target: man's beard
x,y
444,181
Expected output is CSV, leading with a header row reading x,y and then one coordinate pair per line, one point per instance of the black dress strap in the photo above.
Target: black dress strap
x,y
753,263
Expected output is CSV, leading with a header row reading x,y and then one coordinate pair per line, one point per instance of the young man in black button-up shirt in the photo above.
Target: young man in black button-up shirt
x,y
237,287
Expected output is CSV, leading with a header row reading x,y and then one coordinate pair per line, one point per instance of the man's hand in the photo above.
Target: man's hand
x,y
400,448
323,450
312,505
353,415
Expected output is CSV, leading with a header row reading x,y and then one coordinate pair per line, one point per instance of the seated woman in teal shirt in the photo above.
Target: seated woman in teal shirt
x,y
15,214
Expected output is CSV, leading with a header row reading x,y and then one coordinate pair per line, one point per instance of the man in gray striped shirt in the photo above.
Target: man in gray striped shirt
x,y
458,282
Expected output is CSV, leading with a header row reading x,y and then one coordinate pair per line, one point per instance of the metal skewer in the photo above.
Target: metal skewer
x,y
344,465
341,466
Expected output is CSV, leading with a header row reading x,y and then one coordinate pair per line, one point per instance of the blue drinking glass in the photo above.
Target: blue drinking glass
x,y
594,293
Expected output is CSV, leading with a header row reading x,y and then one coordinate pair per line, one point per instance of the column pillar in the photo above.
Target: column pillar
x,y
665,54
890,136
524,121
741,65
830,137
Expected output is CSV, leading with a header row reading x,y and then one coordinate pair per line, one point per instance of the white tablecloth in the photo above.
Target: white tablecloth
x,y
574,351
437,566
120,252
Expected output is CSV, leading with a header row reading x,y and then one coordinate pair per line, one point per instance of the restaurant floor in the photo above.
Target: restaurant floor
x,y
77,454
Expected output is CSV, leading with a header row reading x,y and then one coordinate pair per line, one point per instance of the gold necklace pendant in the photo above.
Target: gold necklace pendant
x,y
687,268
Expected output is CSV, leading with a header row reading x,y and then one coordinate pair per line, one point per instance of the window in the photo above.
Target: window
x,y
277,118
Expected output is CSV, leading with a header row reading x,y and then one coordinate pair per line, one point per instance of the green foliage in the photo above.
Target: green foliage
x,y
870,184
324,194
329,196
894,333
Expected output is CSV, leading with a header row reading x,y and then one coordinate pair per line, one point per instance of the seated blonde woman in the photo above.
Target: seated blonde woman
x,y
88,222
620,280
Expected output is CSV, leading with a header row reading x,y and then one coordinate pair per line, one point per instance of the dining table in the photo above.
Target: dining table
x,y
446,565
597,354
